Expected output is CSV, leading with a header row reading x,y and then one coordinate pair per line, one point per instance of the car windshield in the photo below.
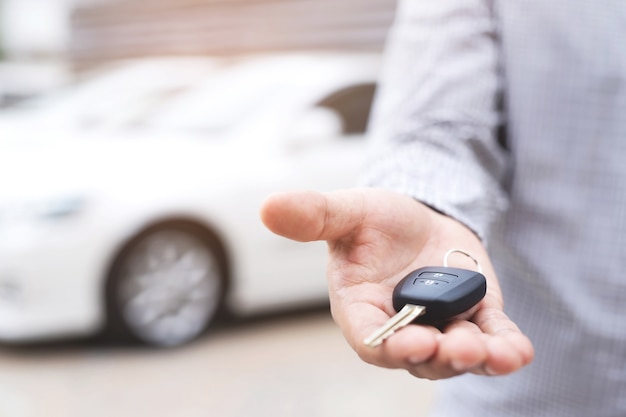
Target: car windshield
x,y
218,103
174,98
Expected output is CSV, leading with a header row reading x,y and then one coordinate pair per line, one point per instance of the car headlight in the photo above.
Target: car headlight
x,y
61,208
46,209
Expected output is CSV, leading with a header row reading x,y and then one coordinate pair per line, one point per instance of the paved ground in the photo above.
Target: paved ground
x,y
292,365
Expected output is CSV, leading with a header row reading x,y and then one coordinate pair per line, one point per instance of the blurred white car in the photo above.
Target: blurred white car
x,y
130,202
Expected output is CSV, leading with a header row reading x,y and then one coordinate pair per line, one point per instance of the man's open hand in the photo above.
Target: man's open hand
x,y
375,238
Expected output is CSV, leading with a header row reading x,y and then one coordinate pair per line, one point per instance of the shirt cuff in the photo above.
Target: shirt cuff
x,y
450,179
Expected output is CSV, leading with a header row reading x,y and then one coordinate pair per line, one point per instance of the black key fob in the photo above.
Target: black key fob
x,y
444,292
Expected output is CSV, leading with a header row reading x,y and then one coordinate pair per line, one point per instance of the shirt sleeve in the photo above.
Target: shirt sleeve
x,y
435,120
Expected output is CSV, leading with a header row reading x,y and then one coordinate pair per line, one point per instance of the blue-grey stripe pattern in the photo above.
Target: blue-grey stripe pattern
x,y
551,204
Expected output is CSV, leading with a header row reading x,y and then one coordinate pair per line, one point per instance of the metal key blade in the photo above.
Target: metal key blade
x,y
405,316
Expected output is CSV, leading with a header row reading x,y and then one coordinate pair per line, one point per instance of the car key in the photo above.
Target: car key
x,y
431,295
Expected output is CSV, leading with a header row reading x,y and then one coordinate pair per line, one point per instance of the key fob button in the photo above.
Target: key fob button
x,y
429,281
437,275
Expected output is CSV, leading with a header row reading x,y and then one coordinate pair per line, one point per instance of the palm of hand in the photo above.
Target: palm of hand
x,y
375,238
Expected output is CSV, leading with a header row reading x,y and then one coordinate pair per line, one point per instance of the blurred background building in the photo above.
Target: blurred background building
x,y
43,42
129,28
109,29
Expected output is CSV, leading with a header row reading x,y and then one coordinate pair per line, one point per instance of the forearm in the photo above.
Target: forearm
x,y
436,116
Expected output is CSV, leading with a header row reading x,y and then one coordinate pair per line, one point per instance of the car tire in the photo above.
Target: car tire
x,y
166,286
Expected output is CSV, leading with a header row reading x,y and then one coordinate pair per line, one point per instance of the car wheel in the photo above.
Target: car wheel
x,y
166,286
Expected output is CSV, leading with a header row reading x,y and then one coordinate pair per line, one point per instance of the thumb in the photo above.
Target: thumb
x,y
308,215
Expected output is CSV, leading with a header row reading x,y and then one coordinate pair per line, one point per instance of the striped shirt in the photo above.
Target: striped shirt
x,y
510,115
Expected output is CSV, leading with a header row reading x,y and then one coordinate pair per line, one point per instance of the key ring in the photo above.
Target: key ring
x,y
451,251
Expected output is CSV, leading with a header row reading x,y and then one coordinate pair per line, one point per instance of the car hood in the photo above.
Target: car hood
x,y
38,166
